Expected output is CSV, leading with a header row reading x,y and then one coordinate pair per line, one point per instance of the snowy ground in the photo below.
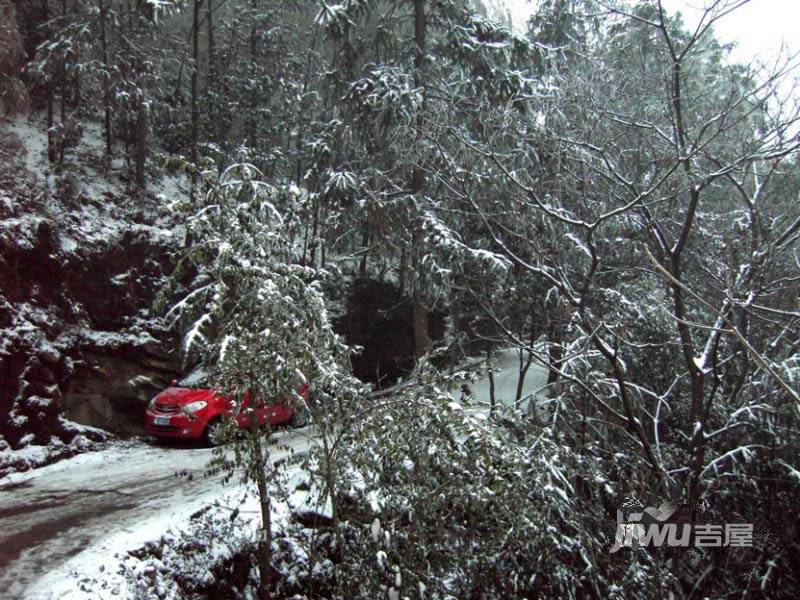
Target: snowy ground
x,y
73,521
67,521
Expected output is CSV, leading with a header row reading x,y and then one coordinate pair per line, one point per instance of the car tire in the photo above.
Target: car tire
x,y
213,433
299,418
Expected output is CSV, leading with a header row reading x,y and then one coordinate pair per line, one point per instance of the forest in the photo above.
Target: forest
x,y
389,197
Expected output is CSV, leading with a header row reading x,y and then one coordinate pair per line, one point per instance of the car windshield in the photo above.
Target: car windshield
x,y
195,379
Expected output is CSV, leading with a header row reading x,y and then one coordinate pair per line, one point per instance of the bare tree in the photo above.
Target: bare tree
x,y
652,178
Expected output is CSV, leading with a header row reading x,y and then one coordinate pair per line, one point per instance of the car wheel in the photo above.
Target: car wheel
x,y
214,434
299,418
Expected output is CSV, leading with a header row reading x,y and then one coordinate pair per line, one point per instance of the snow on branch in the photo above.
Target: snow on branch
x,y
195,334
440,235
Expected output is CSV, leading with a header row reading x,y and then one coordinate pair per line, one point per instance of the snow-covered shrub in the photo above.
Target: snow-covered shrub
x,y
214,556
442,502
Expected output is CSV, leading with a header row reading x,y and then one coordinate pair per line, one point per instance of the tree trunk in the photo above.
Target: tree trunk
x,y
305,243
141,142
401,275
106,84
51,142
492,396
419,37
62,78
51,147
210,23
421,333
195,54
265,535
76,89
362,267
129,128
420,312
455,332
315,232
524,366
212,132
322,251
555,351
252,126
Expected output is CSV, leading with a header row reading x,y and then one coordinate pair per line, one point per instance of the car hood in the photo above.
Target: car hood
x,y
179,395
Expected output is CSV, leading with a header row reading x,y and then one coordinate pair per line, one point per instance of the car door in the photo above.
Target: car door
x,y
279,413
265,413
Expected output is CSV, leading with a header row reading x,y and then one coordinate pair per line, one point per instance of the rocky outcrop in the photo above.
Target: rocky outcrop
x,y
77,341
112,386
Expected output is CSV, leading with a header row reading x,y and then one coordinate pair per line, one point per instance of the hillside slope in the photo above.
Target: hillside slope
x,y
80,258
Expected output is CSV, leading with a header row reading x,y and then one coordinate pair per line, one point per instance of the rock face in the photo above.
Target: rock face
x,y
112,387
78,343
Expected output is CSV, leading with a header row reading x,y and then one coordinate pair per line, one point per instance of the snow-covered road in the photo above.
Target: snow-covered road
x,y
86,509
77,514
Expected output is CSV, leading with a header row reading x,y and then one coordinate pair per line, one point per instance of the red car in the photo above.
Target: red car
x,y
187,410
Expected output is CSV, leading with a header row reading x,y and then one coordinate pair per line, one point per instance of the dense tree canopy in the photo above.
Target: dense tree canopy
x,y
606,193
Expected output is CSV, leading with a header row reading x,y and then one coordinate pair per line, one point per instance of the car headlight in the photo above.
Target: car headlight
x,y
151,405
193,407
